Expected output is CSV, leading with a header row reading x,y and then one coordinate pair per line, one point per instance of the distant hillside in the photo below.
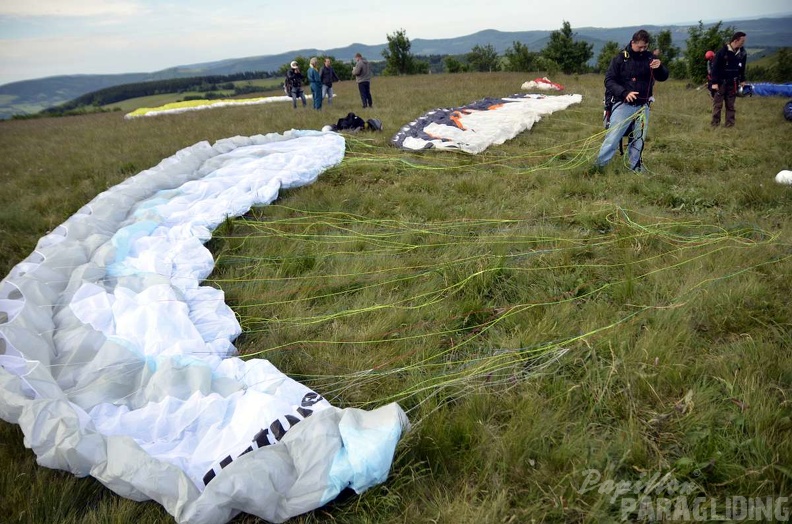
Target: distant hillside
x,y
32,96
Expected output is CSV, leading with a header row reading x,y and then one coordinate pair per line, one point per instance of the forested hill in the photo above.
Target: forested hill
x,y
207,84
32,96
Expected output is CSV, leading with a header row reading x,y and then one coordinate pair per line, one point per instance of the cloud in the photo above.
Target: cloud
x,y
61,8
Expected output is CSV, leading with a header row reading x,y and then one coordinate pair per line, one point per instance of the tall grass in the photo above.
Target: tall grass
x,y
537,321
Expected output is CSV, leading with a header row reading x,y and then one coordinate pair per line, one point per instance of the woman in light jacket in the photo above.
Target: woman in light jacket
x,y
316,83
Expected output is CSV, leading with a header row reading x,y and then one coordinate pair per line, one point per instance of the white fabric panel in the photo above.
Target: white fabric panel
x,y
117,363
483,128
182,107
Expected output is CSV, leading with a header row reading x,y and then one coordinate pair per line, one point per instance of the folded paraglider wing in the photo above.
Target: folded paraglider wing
x,y
766,89
542,84
117,363
476,126
199,105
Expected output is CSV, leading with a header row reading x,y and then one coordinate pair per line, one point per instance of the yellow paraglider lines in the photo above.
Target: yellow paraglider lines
x,y
575,154
376,295
566,156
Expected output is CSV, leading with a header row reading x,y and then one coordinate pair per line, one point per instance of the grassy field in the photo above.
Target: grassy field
x,y
563,342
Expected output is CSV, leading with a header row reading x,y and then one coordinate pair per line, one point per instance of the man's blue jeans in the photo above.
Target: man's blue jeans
x,y
621,117
327,92
295,94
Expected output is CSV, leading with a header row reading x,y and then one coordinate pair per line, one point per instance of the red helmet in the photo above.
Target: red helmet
x,y
709,55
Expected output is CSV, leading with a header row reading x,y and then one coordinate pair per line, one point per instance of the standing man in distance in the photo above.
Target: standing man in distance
x,y
362,74
728,75
628,86
328,75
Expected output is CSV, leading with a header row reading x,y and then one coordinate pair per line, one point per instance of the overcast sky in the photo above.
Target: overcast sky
x,y
40,38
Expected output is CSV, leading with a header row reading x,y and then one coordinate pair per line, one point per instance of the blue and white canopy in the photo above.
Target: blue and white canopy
x,y
767,89
117,363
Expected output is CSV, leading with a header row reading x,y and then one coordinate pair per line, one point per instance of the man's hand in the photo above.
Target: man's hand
x,y
654,64
631,96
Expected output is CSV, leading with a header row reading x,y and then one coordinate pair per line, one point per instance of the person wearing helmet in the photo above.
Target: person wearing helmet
x,y
728,76
294,79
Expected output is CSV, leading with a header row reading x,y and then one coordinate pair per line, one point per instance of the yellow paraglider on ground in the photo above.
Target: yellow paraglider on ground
x,y
197,105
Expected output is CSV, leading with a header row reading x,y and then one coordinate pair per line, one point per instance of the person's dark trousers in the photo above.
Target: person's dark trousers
x,y
721,96
365,94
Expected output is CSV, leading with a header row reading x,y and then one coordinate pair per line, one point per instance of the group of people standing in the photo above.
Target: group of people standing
x,y
321,81
629,82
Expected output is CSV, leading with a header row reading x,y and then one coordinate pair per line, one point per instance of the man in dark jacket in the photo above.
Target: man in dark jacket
x,y
728,74
628,87
328,75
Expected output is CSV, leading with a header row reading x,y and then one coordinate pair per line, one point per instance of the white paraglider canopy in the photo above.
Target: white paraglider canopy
x,y
478,125
117,363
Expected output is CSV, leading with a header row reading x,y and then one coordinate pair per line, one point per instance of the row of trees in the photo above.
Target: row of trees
x,y
564,53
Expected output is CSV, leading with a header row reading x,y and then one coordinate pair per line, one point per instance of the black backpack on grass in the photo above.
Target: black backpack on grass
x,y
351,121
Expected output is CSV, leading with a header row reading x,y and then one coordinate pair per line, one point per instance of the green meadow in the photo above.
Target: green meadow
x,y
564,342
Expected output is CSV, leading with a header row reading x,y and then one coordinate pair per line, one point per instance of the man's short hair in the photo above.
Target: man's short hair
x,y
641,36
358,55
737,36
